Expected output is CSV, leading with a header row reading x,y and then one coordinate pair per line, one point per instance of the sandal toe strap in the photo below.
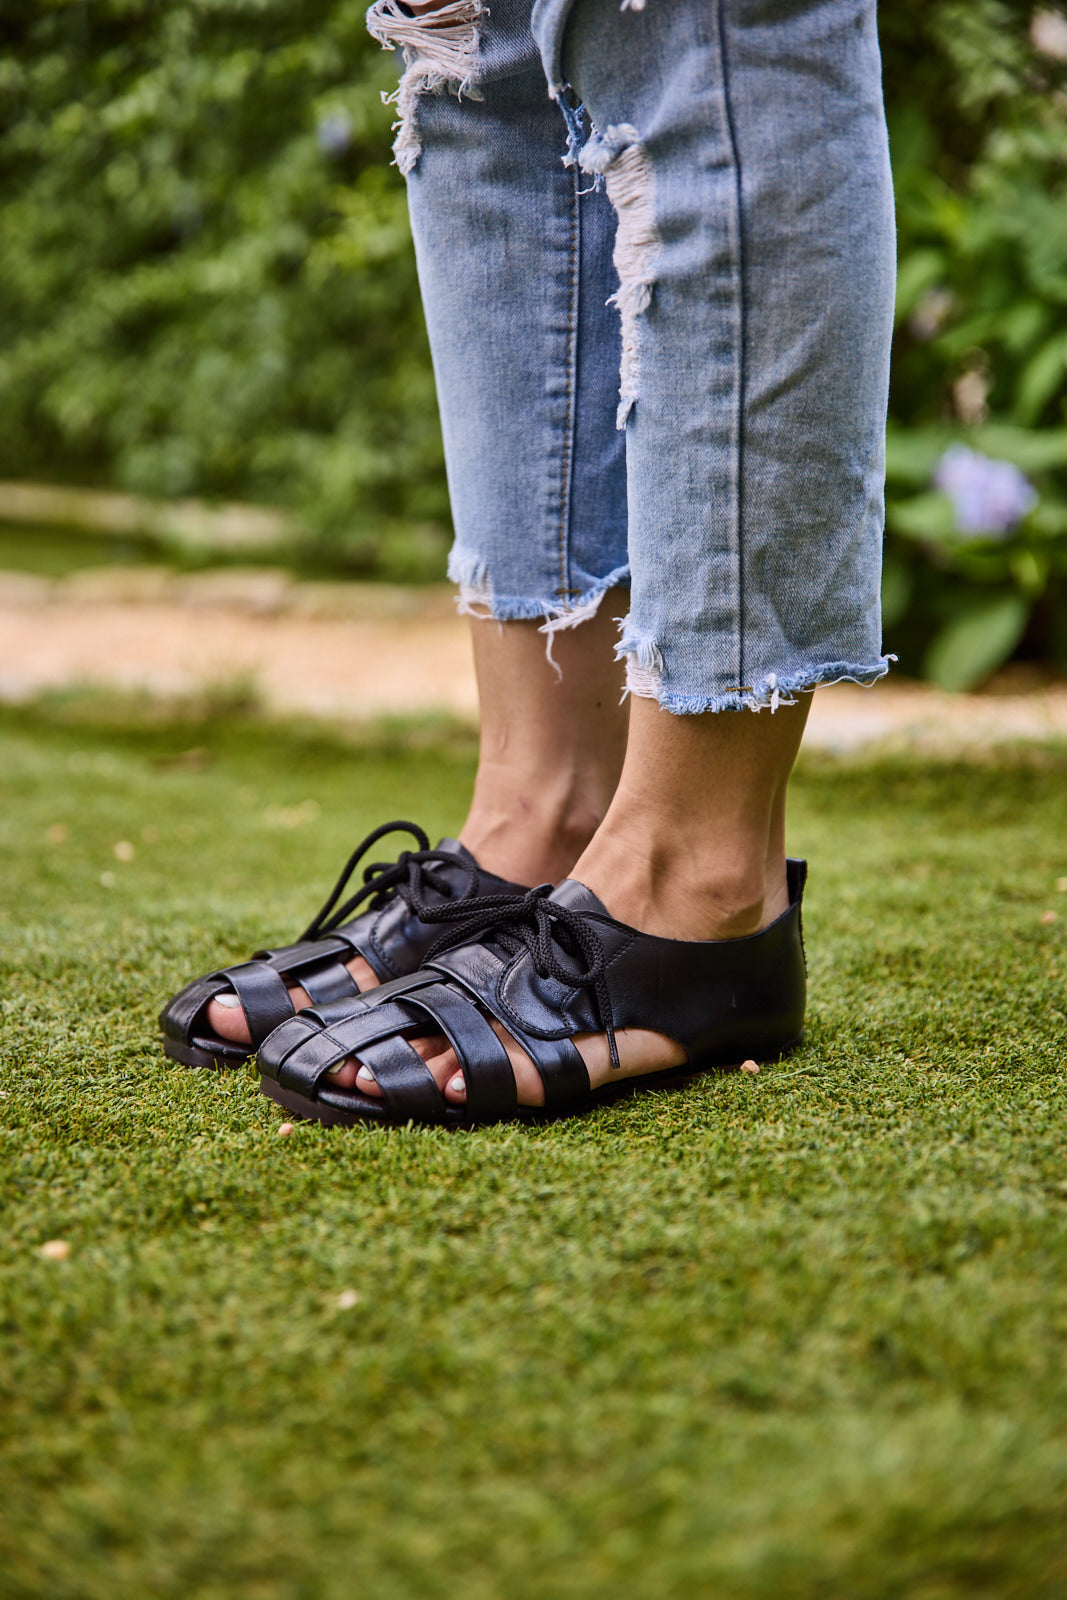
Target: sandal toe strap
x,y
302,1054
182,1013
406,1082
560,1068
302,1050
321,962
327,982
486,1066
263,996
483,1060
558,1061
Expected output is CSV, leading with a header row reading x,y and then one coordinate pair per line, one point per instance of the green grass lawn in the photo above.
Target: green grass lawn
x,y
798,1334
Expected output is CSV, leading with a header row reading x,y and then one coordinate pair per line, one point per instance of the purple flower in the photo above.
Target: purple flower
x,y
334,133
988,496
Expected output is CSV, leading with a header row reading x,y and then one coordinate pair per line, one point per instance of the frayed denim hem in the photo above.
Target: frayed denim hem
x,y
643,679
477,598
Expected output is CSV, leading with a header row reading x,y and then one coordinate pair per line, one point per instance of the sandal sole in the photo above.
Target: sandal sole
x,y
366,1112
188,1055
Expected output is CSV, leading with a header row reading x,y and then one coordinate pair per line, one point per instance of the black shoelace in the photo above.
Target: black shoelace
x,y
407,877
544,928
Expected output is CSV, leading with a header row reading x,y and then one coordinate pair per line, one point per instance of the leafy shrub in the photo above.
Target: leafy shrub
x,y
977,101
206,281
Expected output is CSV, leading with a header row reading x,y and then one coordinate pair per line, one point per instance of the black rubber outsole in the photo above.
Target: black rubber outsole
x,y
366,1113
189,1055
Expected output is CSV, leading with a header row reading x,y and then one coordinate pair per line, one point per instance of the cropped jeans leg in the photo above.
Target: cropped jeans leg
x,y
743,144
514,258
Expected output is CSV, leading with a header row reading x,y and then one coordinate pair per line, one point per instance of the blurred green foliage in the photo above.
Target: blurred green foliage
x,y
206,280
976,94
207,287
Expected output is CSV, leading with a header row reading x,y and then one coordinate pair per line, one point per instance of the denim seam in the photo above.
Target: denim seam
x,y
563,540
738,373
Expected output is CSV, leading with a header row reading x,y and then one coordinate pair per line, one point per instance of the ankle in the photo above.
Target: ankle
x,y
528,841
726,891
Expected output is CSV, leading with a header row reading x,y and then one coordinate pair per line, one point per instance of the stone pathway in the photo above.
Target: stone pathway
x,y
353,651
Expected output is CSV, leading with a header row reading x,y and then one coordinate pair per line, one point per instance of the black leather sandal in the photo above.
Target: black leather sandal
x,y
547,965
390,934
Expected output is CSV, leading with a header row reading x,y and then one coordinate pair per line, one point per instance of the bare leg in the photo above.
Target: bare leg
x,y
693,846
552,746
552,743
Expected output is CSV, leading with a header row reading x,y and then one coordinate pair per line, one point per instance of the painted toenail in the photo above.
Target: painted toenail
x,y
458,1084
331,1072
230,1001
365,1075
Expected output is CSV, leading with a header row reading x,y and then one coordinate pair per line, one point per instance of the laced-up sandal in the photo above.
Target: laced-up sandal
x,y
390,933
547,965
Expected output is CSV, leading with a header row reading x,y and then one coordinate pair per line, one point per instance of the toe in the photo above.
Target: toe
x,y
434,1050
447,1073
227,1020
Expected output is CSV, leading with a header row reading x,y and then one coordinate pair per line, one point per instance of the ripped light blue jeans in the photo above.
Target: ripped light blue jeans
x,y
660,323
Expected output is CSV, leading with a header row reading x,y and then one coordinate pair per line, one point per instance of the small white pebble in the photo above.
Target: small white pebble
x,y
107,880
347,1299
1049,917
124,851
750,1066
286,1129
55,1250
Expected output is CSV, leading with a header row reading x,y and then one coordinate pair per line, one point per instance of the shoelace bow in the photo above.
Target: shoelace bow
x,y
407,877
536,922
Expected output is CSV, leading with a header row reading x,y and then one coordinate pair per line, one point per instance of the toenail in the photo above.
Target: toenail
x,y
228,1000
365,1075
331,1072
458,1084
